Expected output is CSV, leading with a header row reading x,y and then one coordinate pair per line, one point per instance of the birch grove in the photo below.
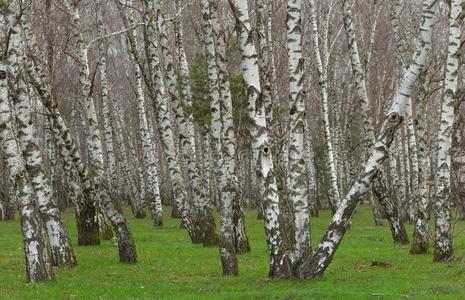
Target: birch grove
x,y
227,113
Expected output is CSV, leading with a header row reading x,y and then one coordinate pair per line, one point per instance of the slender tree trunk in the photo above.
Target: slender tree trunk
x,y
322,69
149,155
228,137
421,226
226,190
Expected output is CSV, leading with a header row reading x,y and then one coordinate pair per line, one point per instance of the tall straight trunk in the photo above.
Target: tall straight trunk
x,y
106,232
227,249
202,209
228,137
126,246
421,227
322,69
155,82
280,262
127,160
148,152
297,187
443,234
38,267
322,256
367,121
62,252
311,177
105,98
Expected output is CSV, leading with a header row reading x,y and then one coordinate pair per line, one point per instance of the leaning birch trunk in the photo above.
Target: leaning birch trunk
x,y
297,187
322,256
126,246
280,263
87,225
229,145
442,203
202,209
38,267
399,236
163,116
61,250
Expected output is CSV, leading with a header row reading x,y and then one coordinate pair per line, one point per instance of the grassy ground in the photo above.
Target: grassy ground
x,y
170,267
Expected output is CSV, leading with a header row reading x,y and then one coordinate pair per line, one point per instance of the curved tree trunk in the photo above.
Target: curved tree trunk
x,y
38,267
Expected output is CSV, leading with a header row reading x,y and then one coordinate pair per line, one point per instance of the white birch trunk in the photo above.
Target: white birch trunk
x,y
148,152
38,267
297,187
322,69
280,264
442,205
228,137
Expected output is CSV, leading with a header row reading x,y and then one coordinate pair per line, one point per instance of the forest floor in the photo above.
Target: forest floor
x,y
367,265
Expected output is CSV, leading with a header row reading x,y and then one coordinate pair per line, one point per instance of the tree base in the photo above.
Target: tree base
x,y
126,246
157,219
280,267
140,214
419,247
88,229
443,256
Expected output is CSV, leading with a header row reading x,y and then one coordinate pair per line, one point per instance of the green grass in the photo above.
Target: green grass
x,y
170,267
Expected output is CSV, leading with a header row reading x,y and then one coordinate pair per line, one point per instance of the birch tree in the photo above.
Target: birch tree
x,y
397,227
156,86
443,234
202,209
280,262
127,250
38,266
61,250
297,188
323,254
